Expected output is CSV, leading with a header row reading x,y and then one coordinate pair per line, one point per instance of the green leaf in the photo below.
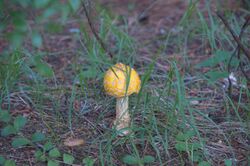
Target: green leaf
x,y
194,146
65,11
9,163
189,134
19,21
75,4
5,116
220,56
2,27
48,12
18,142
185,136
68,159
41,3
38,137
228,162
181,146
215,75
16,39
88,161
2,160
52,163
196,156
8,130
43,68
90,73
25,3
36,39
184,146
54,153
204,163
148,159
40,156
54,27
131,160
48,146
19,122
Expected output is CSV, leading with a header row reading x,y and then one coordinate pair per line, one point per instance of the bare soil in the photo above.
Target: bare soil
x,y
148,21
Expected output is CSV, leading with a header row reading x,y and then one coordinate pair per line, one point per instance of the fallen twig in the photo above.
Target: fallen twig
x,y
94,31
236,38
238,49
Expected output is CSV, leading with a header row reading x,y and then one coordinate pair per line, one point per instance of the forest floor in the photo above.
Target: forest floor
x,y
173,45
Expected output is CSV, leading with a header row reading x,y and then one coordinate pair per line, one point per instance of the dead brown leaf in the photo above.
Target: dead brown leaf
x,y
71,142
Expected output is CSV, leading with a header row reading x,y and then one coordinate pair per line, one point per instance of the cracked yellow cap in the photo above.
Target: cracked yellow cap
x,y
116,78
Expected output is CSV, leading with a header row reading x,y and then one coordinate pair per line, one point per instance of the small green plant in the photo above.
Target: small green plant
x,y
88,161
133,160
220,58
11,125
16,14
46,152
53,157
68,159
10,65
185,143
6,162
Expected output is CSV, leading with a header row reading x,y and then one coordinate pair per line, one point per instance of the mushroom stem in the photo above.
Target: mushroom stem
x,y
122,121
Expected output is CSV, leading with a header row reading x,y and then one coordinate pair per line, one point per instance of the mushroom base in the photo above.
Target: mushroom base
x,y
122,121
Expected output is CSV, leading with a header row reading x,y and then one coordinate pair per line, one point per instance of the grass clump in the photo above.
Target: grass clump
x,y
185,113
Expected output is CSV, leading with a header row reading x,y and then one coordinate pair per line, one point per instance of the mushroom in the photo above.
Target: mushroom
x,y
120,81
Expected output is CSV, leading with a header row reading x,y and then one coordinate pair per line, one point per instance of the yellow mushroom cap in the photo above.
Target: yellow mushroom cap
x,y
116,78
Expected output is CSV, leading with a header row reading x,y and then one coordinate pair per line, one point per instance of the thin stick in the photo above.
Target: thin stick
x,y
95,33
236,38
238,53
238,50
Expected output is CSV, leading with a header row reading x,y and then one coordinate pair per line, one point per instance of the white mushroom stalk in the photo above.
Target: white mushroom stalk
x,y
122,121
120,83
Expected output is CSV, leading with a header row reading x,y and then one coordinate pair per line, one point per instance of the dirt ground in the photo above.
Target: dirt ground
x,y
147,21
